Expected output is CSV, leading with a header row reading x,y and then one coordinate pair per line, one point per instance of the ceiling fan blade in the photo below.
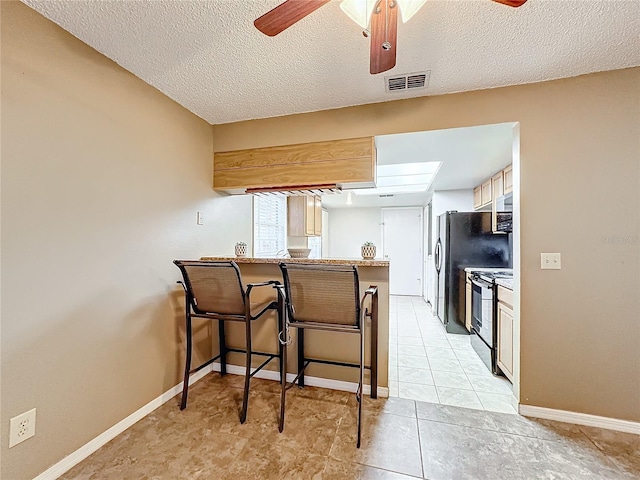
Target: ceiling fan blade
x,y
286,14
384,31
511,3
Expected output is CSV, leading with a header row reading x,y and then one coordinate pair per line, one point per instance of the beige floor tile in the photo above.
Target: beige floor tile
x,y
340,470
445,365
415,375
423,393
389,442
496,402
459,398
451,379
412,361
410,341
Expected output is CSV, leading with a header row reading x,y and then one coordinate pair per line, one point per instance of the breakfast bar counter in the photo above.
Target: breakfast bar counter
x,y
318,344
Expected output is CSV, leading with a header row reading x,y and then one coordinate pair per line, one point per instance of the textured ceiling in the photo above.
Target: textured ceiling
x,y
207,55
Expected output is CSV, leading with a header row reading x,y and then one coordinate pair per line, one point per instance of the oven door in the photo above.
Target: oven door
x,y
482,310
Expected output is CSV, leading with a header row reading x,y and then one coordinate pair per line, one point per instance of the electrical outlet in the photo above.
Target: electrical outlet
x,y
22,427
550,261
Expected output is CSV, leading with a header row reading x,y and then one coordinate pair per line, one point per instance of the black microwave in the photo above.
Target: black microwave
x,y
504,213
504,221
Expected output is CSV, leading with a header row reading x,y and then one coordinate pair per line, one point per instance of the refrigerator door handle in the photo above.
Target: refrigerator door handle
x,y
437,256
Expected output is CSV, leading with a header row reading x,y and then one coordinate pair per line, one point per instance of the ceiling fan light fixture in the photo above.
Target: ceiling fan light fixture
x,y
360,11
408,8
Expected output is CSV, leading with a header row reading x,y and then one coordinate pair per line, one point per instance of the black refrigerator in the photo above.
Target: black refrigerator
x,y
464,239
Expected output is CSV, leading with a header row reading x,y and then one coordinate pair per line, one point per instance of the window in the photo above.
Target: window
x,y
269,226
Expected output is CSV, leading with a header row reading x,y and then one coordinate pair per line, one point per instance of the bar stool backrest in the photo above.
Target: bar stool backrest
x,y
214,287
322,293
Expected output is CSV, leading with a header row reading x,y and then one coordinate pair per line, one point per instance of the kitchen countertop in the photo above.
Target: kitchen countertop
x,y
318,261
505,282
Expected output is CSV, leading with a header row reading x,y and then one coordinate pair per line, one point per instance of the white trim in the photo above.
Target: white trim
x,y
87,449
70,461
311,381
580,419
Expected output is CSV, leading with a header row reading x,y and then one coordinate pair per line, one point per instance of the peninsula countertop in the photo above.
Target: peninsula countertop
x,y
322,261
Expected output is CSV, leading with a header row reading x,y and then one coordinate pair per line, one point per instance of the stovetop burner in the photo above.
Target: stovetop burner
x,y
490,276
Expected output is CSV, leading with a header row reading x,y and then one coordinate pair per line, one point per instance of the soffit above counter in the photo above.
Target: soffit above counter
x,y
325,166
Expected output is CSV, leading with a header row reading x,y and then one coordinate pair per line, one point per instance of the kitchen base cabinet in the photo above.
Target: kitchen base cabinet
x,y
505,337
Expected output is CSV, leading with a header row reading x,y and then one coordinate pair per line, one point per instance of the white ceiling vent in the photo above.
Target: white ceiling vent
x,y
407,81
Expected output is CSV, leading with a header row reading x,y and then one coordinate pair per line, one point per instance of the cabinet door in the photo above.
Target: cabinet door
x,y
505,340
508,179
317,216
309,216
477,197
486,192
497,185
467,318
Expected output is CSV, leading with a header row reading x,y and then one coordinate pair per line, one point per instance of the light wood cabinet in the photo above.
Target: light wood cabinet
x,y
486,192
477,197
497,183
508,179
304,216
316,165
505,332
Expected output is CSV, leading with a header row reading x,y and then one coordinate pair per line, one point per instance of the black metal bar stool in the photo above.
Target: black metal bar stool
x,y
324,297
214,290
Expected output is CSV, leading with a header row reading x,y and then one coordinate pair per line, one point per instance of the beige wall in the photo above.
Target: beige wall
x,y
580,184
102,177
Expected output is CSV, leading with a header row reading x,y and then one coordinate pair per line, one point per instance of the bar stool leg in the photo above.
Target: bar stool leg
x,y
247,377
301,357
187,362
223,348
281,349
283,389
361,385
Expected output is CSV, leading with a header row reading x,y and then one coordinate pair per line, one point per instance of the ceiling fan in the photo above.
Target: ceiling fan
x,y
379,18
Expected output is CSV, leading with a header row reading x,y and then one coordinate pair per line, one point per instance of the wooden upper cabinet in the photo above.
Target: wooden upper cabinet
x,y
304,216
477,197
317,231
500,184
497,185
508,179
486,192
340,162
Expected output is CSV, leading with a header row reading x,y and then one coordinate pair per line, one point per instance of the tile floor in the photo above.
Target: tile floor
x,y
429,365
402,439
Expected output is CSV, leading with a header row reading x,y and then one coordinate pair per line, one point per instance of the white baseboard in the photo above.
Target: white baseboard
x,y
311,381
70,461
87,449
580,419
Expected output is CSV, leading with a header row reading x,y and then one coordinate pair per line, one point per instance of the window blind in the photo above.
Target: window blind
x,y
269,226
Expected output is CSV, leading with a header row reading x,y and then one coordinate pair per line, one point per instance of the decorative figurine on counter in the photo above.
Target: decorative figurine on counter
x,y
368,250
241,249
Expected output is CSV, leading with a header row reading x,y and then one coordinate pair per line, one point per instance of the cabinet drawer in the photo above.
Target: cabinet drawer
x,y
505,295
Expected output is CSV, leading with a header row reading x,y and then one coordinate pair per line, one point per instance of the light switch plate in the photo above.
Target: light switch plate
x,y
550,261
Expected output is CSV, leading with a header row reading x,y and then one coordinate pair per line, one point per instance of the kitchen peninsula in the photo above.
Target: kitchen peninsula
x,y
318,344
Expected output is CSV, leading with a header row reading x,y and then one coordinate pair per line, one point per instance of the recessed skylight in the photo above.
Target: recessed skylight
x,y
402,178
